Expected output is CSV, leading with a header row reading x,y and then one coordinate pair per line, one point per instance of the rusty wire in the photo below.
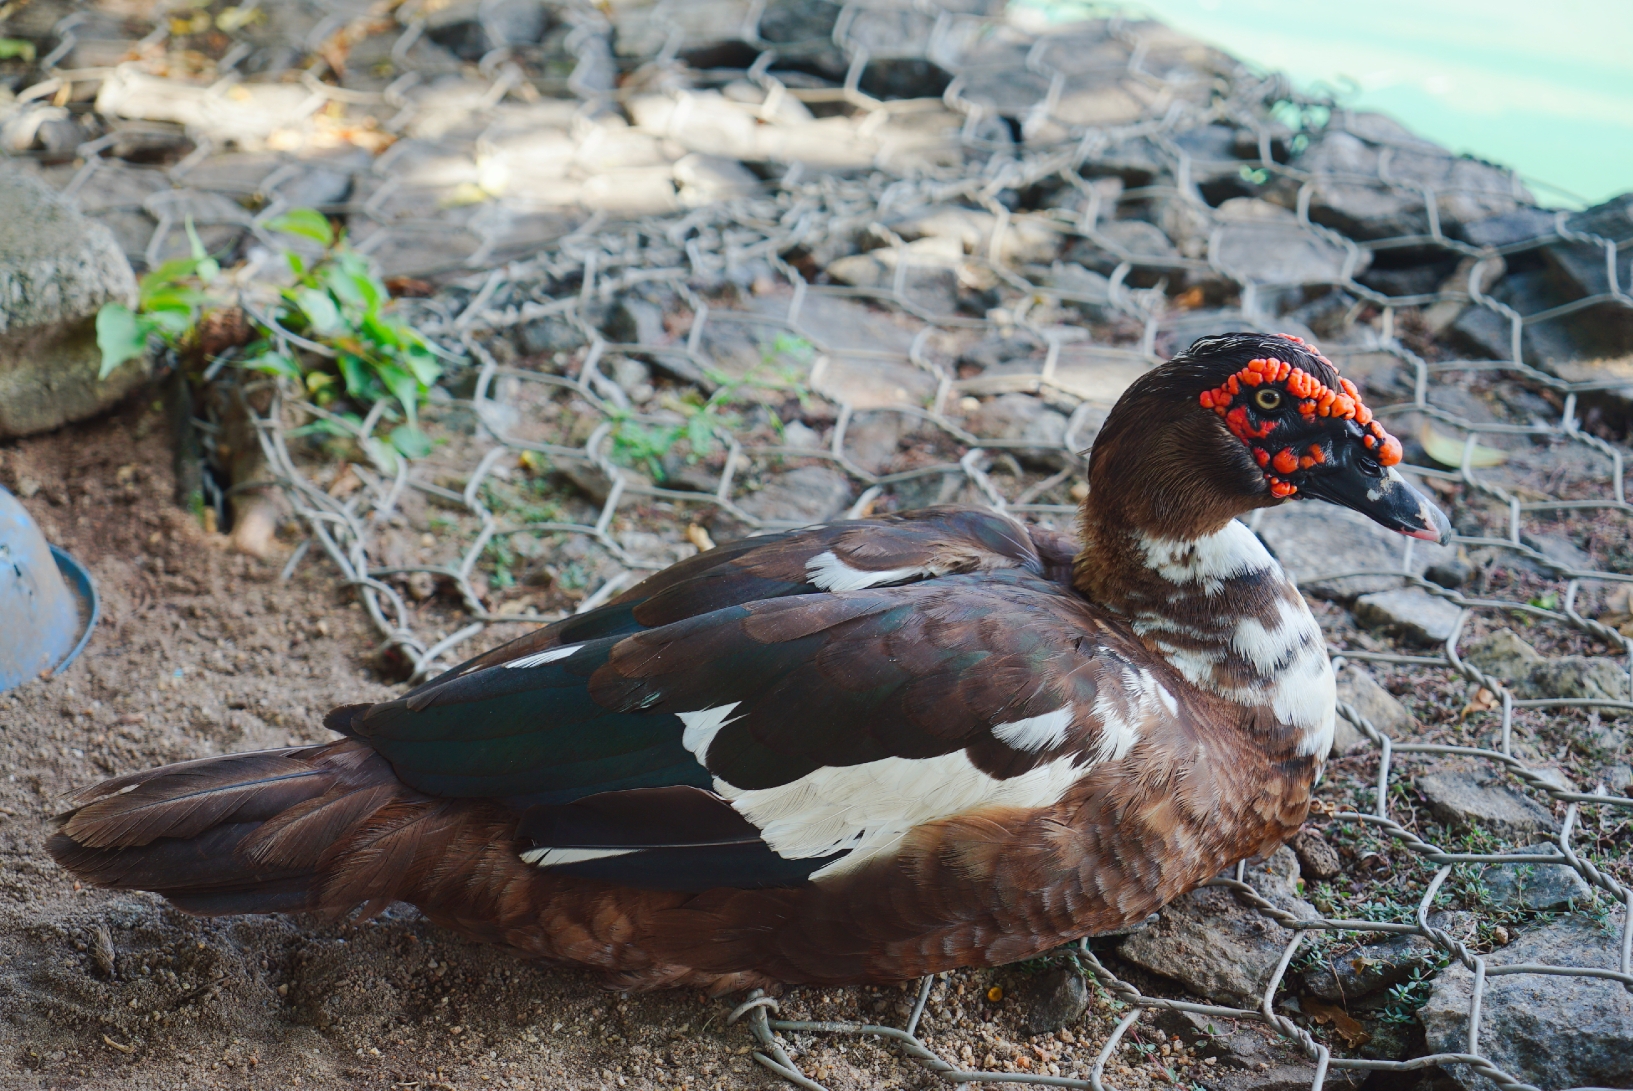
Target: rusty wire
x,y
972,163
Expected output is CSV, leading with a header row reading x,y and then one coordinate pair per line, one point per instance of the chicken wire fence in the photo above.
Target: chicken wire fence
x,y
1072,113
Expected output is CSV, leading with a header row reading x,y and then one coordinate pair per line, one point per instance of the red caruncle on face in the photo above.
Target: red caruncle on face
x,y
1252,422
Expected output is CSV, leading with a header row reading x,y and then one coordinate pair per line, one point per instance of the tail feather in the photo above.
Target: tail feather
x,y
265,832
185,800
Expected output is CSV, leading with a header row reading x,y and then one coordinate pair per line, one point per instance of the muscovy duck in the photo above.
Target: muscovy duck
x,y
858,752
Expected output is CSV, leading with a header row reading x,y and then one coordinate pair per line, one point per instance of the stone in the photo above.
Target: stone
x,y
800,497
550,334
705,179
1025,241
1119,240
1450,574
1539,887
1054,999
1216,947
1372,968
1619,779
1532,676
1317,860
245,115
637,322
1561,550
1355,143
1523,224
1026,421
57,269
1075,284
1358,688
1409,612
929,276
1266,244
1546,1030
1236,1043
1463,799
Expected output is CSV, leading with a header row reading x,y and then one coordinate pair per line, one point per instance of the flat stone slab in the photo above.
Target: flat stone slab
x,y
1464,799
1545,1029
1409,612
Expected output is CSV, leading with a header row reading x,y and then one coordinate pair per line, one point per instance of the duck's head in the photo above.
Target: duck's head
x,y
1243,421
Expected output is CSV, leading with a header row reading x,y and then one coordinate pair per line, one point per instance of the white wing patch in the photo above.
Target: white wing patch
x,y
830,573
1036,733
557,857
539,659
869,808
702,726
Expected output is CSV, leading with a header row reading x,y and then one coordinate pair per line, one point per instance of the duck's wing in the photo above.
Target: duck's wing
x,y
789,738
848,556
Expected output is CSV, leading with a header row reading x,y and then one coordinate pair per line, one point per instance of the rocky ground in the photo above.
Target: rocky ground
x,y
702,269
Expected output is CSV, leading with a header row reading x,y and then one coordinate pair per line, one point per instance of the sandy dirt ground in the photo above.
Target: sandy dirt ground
x,y
202,651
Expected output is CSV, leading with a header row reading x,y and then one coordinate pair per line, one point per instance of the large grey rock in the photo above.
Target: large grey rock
x,y
1534,676
1024,420
1410,612
1351,194
1464,799
1546,1030
57,269
1265,243
1541,887
1216,947
927,271
1358,688
705,179
800,497
1312,539
1377,966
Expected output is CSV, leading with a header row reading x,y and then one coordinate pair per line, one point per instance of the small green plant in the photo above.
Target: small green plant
x,y
336,302
169,301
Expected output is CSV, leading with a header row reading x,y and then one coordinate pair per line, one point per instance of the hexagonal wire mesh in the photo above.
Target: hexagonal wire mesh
x,y
1021,110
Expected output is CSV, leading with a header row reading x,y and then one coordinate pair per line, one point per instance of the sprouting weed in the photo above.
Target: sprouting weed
x,y
337,302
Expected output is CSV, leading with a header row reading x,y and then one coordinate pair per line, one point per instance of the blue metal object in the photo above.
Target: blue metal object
x,y
48,603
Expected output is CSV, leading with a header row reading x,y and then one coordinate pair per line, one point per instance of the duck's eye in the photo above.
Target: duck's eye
x,y
1267,398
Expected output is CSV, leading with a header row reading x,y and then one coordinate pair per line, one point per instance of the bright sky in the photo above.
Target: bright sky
x,y
1546,88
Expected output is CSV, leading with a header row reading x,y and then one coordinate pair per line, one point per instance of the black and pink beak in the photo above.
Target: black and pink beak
x,y
1381,494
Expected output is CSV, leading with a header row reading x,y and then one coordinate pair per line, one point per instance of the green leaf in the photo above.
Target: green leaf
x,y
208,268
120,335
355,374
297,264
700,433
410,441
165,277
179,298
276,363
382,453
308,223
321,311
16,48
403,386
418,359
170,322
352,289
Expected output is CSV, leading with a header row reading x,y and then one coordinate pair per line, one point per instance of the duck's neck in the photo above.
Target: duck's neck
x,y
1222,612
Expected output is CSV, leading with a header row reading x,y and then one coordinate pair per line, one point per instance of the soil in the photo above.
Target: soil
x,y
204,651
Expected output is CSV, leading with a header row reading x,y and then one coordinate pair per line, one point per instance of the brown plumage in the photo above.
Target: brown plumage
x,y
858,752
